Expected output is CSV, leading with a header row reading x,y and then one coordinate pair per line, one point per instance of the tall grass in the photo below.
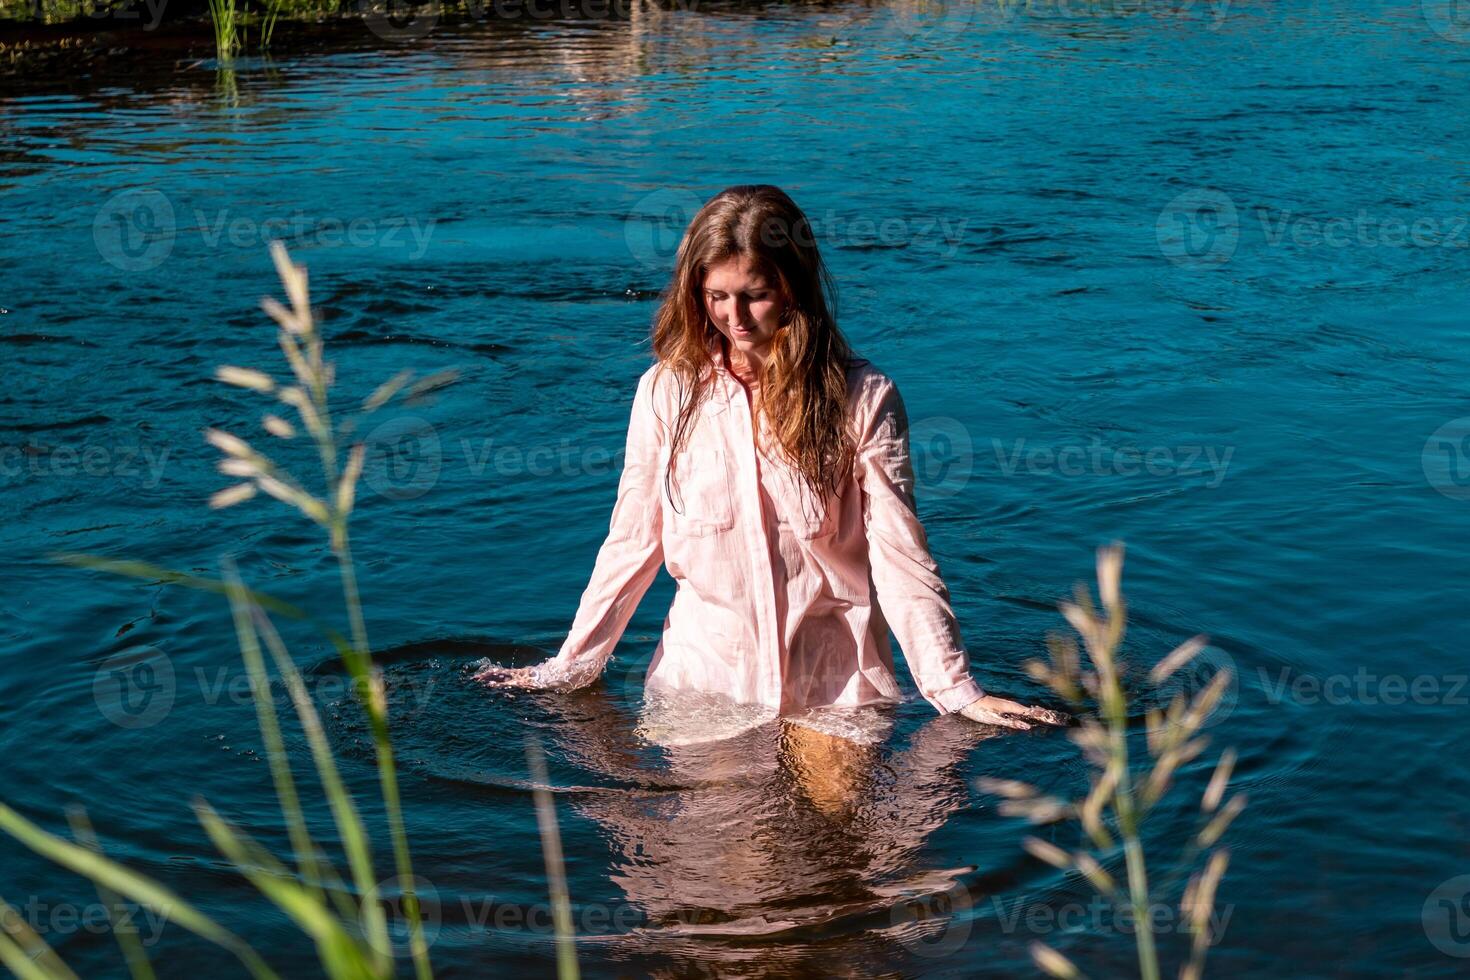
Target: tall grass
x,y
346,923
1121,799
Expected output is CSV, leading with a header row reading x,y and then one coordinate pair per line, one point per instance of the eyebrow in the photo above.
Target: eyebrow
x,y
764,287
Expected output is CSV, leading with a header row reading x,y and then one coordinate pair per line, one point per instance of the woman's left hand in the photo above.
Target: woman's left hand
x,y
991,710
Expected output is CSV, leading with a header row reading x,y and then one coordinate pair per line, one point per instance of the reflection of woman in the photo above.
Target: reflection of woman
x,y
768,470
766,833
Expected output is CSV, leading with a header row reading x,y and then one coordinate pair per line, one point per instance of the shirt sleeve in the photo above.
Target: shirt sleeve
x,y
627,562
910,592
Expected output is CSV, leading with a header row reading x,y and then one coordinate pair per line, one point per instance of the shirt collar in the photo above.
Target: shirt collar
x,y
723,378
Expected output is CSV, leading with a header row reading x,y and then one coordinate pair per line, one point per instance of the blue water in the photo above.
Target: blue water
x,y
1183,275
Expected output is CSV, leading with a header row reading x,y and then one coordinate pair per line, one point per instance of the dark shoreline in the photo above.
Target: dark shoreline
x,y
87,52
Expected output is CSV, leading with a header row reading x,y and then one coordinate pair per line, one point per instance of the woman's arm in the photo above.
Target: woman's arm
x,y
910,591
626,565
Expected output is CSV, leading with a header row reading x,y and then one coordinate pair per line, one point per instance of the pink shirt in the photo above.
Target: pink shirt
x,y
777,604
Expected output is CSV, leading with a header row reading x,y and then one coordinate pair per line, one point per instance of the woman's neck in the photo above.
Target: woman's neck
x,y
746,369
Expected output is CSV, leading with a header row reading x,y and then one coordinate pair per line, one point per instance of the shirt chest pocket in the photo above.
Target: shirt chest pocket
x,y
699,499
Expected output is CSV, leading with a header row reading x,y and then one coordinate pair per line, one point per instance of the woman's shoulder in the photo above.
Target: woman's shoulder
x,y
866,381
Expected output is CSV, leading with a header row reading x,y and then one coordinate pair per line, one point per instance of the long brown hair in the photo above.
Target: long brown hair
x,y
804,383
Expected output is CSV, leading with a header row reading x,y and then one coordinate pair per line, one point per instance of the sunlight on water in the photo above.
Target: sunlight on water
x,y
1142,270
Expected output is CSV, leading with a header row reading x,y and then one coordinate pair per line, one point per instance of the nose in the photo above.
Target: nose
x,y
741,314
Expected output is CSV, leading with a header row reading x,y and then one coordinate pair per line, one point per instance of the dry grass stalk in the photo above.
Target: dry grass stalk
x,y
1113,813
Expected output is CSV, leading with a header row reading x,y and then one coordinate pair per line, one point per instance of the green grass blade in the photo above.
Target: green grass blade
x,y
358,657
344,811
340,953
17,962
270,732
137,887
30,947
148,572
125,932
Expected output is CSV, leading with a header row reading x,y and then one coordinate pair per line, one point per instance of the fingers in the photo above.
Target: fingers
x,y
1033,712
989,716
1013,714
495,675
1047,716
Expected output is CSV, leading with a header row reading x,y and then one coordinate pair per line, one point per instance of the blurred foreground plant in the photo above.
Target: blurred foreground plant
x,y
348,925
1121,799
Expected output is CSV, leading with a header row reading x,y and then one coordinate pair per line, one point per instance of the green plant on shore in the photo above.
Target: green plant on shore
x,y
1121,799
347,925
225,18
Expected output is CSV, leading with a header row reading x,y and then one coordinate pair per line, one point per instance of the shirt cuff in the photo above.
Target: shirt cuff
x,y
952,699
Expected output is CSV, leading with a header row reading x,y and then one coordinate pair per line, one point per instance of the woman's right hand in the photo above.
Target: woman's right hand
x,y
494,675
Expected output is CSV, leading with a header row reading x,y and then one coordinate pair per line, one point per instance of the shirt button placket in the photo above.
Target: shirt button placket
x,y
748,481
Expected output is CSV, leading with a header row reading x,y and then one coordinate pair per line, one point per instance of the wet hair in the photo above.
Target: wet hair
x,y
804,383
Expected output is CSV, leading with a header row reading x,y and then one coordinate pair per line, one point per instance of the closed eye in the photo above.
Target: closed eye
x,y
755,297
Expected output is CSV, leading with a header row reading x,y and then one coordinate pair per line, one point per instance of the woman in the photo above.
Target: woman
x,y
768,470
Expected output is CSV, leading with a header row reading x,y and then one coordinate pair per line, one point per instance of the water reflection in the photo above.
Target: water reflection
x,y
768,834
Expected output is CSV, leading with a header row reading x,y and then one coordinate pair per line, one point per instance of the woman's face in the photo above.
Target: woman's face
x,y
743,305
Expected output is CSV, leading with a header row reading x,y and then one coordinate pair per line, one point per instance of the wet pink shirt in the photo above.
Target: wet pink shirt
x,y
777,603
